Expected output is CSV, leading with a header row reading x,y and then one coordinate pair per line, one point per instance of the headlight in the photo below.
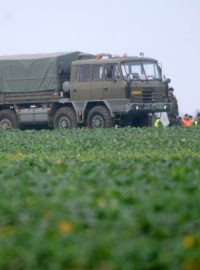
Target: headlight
x,y
136,107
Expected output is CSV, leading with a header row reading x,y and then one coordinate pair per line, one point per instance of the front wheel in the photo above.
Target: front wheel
x,y
99,117
8,119
65,118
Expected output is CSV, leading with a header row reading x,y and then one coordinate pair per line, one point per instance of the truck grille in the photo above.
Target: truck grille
x,y
148,95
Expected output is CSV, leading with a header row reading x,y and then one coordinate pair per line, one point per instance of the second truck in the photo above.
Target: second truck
x,y
67,90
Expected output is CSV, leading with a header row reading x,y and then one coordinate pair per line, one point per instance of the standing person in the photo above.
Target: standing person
x,y
173,113
156,121
187,120
197,120
179,121
191,120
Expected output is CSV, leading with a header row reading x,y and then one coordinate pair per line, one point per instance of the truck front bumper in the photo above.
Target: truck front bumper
x,y
147,107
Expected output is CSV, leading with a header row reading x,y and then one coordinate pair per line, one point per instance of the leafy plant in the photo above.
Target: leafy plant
x,y
100,199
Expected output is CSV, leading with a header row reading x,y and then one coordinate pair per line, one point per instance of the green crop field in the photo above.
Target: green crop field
x,y
106,199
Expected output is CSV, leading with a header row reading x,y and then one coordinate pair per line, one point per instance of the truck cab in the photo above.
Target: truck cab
x,y
130,88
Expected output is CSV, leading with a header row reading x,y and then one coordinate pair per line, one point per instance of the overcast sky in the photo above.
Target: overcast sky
x,y
168,30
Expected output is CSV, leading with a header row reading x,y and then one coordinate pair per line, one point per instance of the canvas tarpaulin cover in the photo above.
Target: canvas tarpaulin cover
x,y
32,73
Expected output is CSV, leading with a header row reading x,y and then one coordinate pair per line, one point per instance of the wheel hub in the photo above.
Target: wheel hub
x,y
98,121
5,123
64,122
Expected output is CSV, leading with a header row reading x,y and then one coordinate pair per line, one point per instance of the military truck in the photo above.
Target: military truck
x,y
67,90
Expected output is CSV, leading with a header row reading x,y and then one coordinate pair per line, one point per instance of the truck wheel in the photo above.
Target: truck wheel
x,y
99,117
65,118
8,119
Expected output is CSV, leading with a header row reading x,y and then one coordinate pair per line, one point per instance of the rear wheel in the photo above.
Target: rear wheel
x,y
65,118
8,119
99,117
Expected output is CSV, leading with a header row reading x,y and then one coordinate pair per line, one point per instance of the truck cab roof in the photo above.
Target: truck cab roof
x,y
113,60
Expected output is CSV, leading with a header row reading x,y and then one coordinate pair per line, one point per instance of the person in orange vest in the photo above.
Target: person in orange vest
x,y
187,120
191,120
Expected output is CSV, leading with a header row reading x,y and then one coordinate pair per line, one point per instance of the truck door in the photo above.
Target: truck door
x,y
114,86
97,83
80,89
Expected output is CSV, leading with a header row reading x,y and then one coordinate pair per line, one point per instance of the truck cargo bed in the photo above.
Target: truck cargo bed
x,y
31,97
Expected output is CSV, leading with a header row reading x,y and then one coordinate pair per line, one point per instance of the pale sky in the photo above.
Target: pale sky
x,y
167,30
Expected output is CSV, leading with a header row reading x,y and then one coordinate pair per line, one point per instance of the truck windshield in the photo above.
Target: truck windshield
x,y
140,70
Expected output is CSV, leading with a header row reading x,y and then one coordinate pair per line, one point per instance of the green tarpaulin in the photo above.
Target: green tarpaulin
x,y
31,73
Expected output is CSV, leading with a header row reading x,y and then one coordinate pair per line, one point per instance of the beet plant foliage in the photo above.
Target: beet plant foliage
x,y
105,199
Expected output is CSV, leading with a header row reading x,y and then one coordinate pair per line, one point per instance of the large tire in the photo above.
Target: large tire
x,y
8,119
99,117
65,118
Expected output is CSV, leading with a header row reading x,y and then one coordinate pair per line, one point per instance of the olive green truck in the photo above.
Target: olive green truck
x,y
67,90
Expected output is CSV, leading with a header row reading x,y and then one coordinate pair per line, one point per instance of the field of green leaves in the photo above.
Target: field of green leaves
x,y
109,199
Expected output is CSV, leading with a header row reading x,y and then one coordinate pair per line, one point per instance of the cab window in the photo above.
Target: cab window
x,y
83,73
111,72
97,72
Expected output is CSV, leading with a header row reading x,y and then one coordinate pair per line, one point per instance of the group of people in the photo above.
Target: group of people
x,y
173,114
188,121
